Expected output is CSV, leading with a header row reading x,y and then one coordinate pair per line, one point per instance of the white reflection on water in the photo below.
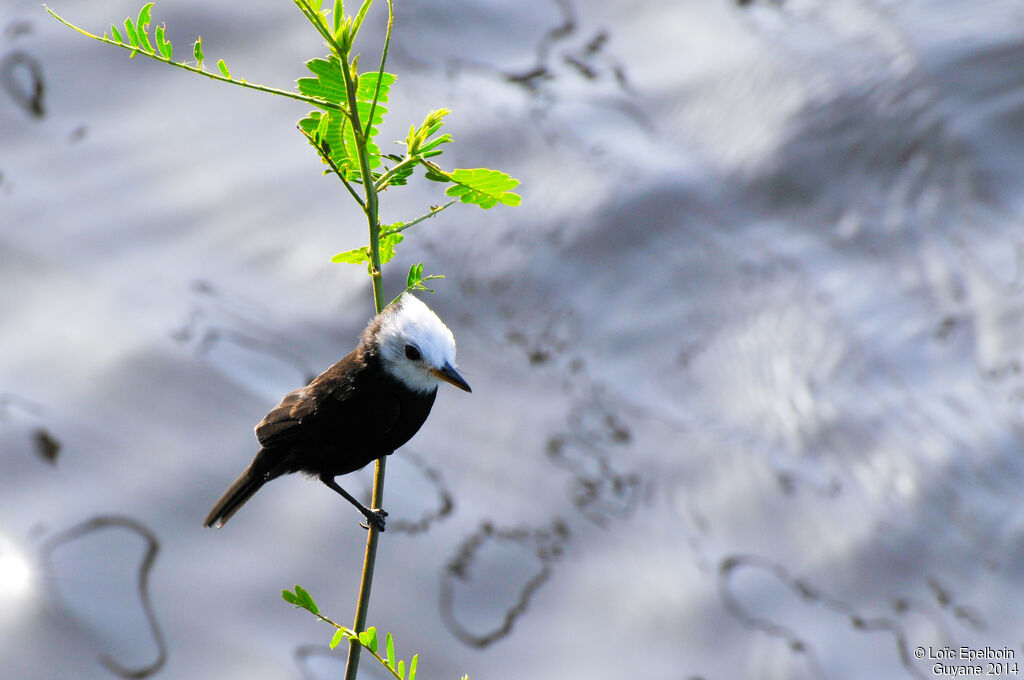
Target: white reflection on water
x,y
16,579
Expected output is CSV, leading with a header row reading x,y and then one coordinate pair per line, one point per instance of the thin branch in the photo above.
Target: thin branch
x,y
315,101
337,171
380,70
382,182
406,225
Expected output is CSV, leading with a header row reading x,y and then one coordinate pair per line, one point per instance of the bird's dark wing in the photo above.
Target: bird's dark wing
x,y
335,403
282,423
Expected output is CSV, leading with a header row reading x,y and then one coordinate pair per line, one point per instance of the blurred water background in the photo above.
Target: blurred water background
x,y
747,363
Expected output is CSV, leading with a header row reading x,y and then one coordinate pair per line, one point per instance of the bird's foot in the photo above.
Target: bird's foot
x,y
375,518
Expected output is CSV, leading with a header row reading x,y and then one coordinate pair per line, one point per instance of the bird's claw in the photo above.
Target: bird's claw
x,y
375,518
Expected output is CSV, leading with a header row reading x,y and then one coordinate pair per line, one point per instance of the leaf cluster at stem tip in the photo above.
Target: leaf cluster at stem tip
x,y
350,110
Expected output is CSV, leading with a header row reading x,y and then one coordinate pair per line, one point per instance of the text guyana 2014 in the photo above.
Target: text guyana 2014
x,y
960,670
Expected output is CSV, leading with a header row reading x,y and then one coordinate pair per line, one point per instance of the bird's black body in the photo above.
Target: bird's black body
x,y
349,415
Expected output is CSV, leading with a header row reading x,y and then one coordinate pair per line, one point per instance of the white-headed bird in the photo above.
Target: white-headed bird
x,y
361,408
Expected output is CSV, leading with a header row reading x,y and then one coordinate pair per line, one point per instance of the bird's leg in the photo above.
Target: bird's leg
x,y
375,517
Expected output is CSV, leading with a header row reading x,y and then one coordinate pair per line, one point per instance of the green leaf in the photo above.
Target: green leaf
x,y
415,275
416,143
143,24
367,86
338,636
163,44
479,186
116,33
368,638
223,68
337,16
387,246
412,666
133,35
400,178
433,122
358,21
310,123
197,52
306,600
415,280
443,139
354,256
300,598
400,669
329,83
390,646
322,134
343,40
435,174
328,130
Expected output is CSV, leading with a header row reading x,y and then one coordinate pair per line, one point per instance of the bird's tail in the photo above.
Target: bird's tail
x,y
248,483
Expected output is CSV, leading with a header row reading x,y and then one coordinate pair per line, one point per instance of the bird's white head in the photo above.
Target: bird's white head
x,y
416,347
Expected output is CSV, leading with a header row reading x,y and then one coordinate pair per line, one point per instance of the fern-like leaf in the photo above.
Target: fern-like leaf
x,y
387,246
480,186
141,25
354,256
163,44
367,86
334,127
329,83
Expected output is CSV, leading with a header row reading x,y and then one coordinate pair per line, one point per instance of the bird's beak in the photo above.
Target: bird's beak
x,y
450,375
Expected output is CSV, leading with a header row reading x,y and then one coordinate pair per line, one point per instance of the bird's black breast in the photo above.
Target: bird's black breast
x,y
351,414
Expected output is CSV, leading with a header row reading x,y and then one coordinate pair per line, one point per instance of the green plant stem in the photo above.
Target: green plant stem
x,y
369,561
321,103
432,213
370,207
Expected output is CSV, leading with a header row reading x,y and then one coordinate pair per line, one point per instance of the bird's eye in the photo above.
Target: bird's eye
x,y
412,353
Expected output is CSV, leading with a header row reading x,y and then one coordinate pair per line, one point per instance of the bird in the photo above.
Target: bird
x,y
358,410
